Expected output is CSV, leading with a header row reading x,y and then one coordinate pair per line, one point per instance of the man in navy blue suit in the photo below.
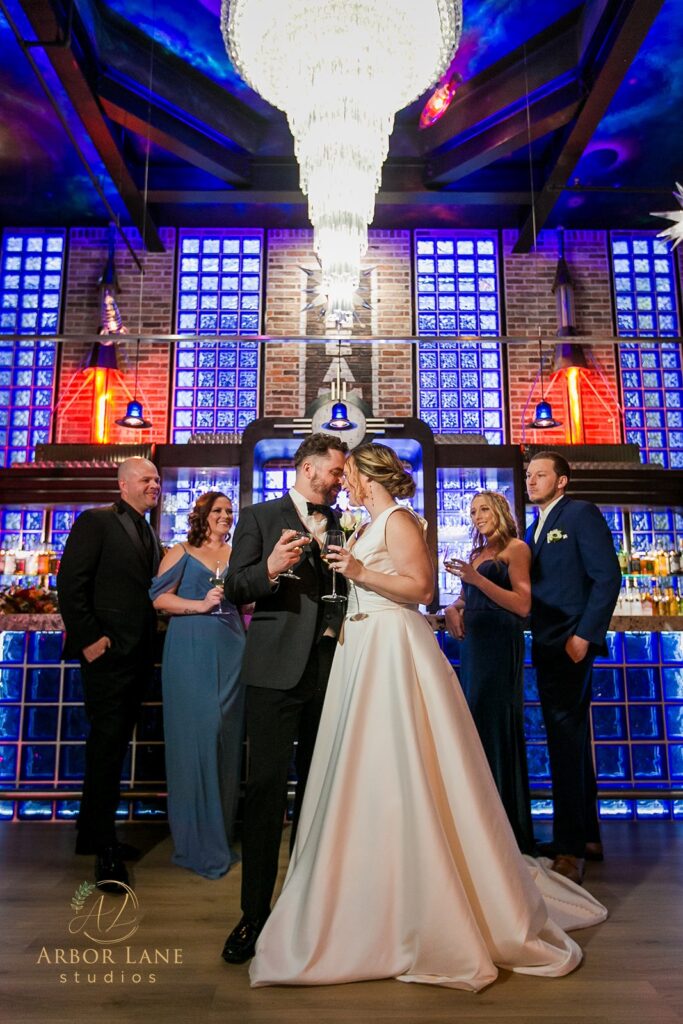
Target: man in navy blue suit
x,y
575,582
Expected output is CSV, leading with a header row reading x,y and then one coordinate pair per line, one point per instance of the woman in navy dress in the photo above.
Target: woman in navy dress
x,y
203,697
488,618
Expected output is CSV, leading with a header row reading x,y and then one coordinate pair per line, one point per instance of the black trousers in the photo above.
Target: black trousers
x,y
112,688
275,718
565,691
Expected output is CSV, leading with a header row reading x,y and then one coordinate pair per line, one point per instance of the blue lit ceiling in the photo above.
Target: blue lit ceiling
x,y
606,144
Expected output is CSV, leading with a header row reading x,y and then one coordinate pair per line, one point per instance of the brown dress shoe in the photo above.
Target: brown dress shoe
x,y
594,851
569,866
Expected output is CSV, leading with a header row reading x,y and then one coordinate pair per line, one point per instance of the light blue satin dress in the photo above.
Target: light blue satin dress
x,y
203,703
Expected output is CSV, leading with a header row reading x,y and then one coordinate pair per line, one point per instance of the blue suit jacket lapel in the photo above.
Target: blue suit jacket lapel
x,y
548,524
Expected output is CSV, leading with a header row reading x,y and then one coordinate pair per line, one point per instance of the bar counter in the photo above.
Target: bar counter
x,y
637,720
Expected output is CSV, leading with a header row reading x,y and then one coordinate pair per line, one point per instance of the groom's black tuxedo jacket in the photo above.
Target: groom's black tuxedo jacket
x,y
575,576
103,583
290,617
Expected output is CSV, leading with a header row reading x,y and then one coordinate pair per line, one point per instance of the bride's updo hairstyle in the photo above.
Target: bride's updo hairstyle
x,y
380,463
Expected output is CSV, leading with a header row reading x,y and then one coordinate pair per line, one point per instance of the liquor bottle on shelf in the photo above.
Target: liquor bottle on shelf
x,y
675,561
659,599
646,601
43,561
663,562
623,558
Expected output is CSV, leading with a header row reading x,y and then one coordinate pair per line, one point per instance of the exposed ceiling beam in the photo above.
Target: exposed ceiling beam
x,y
506,134
252,197
487,119
172,132
129,57
619,34
72,77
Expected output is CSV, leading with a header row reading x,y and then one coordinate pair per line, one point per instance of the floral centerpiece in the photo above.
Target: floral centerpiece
x,y
28,601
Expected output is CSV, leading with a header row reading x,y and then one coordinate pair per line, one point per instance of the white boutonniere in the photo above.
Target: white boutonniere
x,y
554,535
349,522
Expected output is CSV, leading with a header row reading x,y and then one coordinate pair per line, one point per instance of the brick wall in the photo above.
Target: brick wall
x,y
530,304
383,373
149,310
381,376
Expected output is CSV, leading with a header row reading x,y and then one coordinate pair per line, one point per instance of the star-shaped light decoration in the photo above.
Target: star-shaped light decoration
x,y
675,232
319,298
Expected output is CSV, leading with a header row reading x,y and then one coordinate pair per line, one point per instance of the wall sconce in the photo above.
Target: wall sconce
x,y
100,361
570,360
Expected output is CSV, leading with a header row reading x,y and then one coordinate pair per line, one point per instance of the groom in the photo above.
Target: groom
x,y
575,582
287,661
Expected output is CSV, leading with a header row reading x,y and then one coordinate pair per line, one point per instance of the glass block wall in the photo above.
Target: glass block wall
x,y
651,370
30,300
455,489
656,528
32,274
43,728
179,495
460,384
220,289
637,722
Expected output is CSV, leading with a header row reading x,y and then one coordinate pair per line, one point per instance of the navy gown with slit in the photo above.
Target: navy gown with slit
x,y
203,702
492,678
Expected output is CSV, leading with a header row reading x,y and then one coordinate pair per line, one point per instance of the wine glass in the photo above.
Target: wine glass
x,y
333,539
451,554
298,535
217,580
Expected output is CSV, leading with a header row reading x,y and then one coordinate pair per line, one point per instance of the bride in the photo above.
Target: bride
x,y
404,864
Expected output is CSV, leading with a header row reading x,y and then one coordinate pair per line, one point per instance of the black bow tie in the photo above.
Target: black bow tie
x,y
325,510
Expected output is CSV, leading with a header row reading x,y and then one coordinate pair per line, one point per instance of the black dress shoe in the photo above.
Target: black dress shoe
x,y
125,851
110,869
240,944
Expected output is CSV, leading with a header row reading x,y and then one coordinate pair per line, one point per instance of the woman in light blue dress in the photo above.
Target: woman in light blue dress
x,y
203,697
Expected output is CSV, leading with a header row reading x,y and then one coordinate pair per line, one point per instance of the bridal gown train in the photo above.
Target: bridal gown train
x,y
404,864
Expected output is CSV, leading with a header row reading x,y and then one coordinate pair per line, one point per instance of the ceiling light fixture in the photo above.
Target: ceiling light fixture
x,y
134,418
543,414
339,417
340,70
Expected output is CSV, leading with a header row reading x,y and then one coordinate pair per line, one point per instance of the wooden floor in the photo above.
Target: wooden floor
x,y
632,972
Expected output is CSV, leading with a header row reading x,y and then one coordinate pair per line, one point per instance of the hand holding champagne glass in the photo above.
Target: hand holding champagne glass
x,y
296,535
217,580
333,539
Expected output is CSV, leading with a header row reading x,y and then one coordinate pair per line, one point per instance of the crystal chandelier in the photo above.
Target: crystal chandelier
x,y
340,69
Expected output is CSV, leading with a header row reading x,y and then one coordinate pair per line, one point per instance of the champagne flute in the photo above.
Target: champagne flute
x,y
450,555
334,539
217,580
298,535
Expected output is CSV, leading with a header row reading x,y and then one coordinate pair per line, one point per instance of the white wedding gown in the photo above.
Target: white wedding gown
x,y
405,865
